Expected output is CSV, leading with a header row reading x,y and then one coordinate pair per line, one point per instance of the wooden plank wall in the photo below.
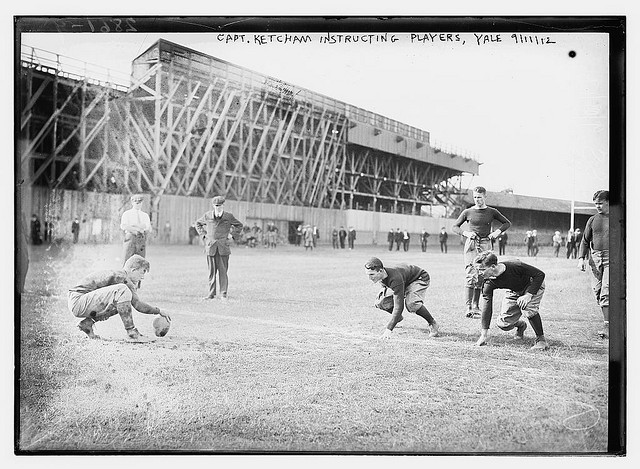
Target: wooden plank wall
x,y
61,206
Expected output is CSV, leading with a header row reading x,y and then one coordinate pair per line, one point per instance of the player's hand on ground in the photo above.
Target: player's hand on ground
x,y
524,300
482,340
386,334
581,264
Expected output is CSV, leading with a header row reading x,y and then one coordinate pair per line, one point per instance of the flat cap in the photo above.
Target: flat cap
x,y
217,200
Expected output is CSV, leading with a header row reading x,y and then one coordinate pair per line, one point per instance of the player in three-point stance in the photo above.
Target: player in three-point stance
x,y
525,287
596,240
478,239
408,284
103,294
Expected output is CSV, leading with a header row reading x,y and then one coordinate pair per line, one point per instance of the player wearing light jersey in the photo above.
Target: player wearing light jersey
x,y
103,294
478,239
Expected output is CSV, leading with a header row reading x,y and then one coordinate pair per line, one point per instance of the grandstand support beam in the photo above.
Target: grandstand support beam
x,y
27,112
190,124
85,140
245,192
48,124
204,158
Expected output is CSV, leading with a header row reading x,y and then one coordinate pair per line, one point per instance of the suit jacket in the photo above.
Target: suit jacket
x,y
215,232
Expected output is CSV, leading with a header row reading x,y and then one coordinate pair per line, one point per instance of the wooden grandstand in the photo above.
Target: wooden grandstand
x,y
190,124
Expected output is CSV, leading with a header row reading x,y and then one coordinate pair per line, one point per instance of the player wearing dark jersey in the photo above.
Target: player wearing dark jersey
x,y
408,284
478,239
595,241
525,286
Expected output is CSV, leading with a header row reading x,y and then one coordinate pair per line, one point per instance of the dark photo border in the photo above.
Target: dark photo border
x,y
614,26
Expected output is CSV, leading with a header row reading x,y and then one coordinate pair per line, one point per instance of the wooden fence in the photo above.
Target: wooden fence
x,y
99,215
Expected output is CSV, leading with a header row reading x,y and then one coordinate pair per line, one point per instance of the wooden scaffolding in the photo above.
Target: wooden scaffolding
x,y
194,125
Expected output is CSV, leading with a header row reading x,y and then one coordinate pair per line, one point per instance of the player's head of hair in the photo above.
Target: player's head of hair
x,y
374,264
486,258
136,262
480,190
601,196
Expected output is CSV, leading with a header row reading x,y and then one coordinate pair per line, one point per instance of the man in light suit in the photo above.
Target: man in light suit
x,y
214,227
136,225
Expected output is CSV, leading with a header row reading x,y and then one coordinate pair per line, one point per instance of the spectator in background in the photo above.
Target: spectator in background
x,y
352,237
299,234
502,243
577,235
398,239
342,234
334,239
391,238
256,232
166,232
75,229
424,236
307,237
534,245
52,229
406,237
443,237
193,233
571,244
273,235
316,235
557,242
36,237
528,241
136,226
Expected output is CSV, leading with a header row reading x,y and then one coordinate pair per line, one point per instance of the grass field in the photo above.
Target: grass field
x,y
293,362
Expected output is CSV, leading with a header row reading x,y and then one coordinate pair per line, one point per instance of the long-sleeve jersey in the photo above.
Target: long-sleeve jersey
x,y
113,277
596,234
398,278
480,220
517,276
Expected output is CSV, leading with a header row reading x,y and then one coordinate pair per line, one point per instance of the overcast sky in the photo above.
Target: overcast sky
x,y
535,117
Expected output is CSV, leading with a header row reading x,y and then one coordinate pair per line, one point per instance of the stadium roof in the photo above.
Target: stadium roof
x,y
526,202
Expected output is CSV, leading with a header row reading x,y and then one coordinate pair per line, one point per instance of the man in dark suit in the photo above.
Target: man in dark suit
x,y
399,238
342,234
215,227
442,237
391,237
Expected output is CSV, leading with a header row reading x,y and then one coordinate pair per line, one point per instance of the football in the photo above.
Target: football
x,y
385,303
161,326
